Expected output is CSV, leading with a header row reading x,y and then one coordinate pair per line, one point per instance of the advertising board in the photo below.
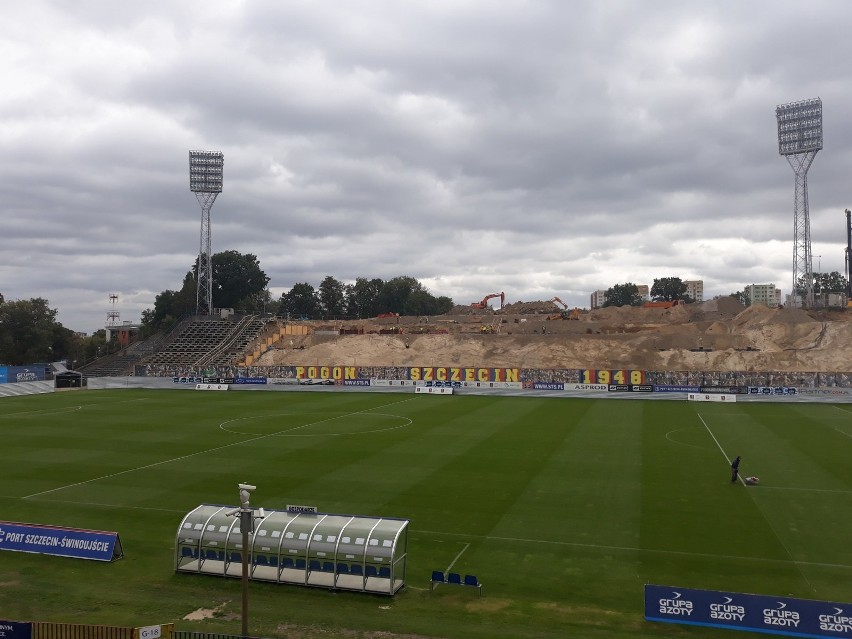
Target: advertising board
x,y
63,542
755,613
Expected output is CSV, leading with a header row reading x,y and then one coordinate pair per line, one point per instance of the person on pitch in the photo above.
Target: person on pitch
x,y
735,469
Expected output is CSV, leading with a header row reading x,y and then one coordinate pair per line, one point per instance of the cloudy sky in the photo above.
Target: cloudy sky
x,y
539,148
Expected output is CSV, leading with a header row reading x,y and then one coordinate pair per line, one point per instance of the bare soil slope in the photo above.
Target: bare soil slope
x,y
715,335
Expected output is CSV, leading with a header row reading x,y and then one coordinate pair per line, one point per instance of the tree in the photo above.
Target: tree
x,y
623,295
832,282
362,298
300,301
395,294
29,333
669,289
332,297
236,277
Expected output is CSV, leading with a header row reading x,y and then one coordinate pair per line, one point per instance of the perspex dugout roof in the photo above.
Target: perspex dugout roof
x,y
346,552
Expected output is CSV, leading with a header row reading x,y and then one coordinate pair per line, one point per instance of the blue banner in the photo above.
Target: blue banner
x,y
755,613
9,374
249,380
676,389
63,542
557,386
16,629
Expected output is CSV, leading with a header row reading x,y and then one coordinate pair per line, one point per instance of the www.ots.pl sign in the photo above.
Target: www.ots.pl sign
x,y
64,542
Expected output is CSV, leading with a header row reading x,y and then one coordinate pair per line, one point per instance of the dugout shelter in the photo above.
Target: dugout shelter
x,y
340,552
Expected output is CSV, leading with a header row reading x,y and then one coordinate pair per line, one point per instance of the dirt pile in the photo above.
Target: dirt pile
x,y
719,334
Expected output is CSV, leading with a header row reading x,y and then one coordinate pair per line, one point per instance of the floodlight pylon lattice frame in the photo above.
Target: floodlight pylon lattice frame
x,y
799,140
205,180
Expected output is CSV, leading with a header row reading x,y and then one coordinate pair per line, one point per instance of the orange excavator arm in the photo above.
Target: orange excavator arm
x,y
484,302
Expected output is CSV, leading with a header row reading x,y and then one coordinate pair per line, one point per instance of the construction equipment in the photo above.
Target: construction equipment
x,y
566,315
663,304
559,302
484,302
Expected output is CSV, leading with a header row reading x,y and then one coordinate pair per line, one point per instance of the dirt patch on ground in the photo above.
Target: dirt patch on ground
x,y
719,334
293,631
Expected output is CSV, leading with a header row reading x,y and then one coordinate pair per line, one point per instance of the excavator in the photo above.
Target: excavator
x,y
564,314
484,303
559,302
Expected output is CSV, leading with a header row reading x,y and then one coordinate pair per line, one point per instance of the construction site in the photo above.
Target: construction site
x,y
719,334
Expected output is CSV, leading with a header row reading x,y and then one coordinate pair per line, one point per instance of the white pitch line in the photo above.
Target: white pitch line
x,y
683,553
765,518
842,432
195,454
453,562
718,444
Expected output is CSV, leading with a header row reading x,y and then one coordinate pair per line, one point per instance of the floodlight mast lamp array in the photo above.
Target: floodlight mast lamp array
x,y
799,140
205,180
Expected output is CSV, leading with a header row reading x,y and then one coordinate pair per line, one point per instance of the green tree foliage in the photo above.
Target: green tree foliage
x,y
669,289
362,297
238,283
395,294
832,282
29,333
300,301
623,295
236,277
332,297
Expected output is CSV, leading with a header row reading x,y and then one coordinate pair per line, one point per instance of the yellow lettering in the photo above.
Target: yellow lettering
x,y
512,375
414,373
428,374
325,373
312,372
482,375
441,374
349,372
300,372
455,374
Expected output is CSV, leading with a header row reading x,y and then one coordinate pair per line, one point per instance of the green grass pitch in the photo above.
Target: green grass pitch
x,y
564,508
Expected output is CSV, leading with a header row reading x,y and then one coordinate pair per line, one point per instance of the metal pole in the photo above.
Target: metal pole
x,y
848,255
245,526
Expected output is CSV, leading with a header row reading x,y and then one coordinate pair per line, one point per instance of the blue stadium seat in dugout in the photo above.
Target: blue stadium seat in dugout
x,y
384,572
328,566
454,578
261,560
300,564
342,569
437,578
355,569
370,571
471,580
315,565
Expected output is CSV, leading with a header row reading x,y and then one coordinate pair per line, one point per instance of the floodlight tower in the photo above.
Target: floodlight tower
x,y
205,180
799,139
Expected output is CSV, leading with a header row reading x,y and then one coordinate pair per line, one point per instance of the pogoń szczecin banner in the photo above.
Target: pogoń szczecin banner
x,y
63,542
755,613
